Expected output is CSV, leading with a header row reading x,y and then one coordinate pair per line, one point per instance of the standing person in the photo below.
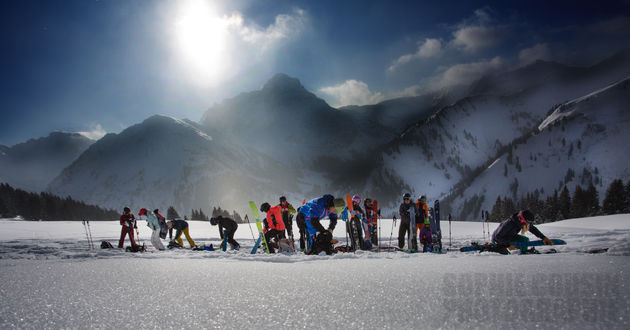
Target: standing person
x,y
287,216
180,226
320,238
425,238
405,220
301,223
154,224
372,215
274,226
422,215
128,223
228,226
358,217
508,232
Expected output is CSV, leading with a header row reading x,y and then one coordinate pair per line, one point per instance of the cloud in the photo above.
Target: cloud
x,y
473,39
536,52
95,133
285,26
351,92
614,26
429,48
467,73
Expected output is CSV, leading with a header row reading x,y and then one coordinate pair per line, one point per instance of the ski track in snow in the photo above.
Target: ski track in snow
x,y
53,281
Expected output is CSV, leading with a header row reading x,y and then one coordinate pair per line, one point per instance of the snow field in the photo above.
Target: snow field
x,y
47,288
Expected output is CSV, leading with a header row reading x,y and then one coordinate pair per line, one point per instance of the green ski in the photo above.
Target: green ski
x,y
259,225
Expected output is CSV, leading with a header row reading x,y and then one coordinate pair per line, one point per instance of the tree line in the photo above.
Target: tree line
x,y
46,206
171,213
564,204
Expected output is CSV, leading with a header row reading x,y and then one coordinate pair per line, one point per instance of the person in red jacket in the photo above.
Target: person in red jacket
x,y
128,223
274,226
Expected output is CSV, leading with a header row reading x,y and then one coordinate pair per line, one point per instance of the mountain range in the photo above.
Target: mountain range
x,y
530,126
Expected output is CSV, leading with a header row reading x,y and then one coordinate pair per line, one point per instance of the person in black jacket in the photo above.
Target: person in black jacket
x,y
228,226
405,220
180,226
508,232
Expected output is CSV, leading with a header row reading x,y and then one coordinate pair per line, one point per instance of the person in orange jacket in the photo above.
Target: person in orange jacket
x,y
274,226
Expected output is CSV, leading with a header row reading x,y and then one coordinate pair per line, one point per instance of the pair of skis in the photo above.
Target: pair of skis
x,y
518,245
261,235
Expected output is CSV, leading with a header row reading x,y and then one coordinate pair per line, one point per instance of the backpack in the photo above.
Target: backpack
x,y
284,245
106,245
136,248
323,243
173,245
163,227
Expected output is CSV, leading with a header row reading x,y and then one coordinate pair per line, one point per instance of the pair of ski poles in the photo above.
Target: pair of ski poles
x,y
88,233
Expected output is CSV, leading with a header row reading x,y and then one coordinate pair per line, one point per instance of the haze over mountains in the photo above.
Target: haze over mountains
x,y
284,140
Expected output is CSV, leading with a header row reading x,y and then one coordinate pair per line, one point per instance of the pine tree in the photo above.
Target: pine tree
x,y
495,214
627,198
508,208
615,201
592,200
579,206
564,204
171,213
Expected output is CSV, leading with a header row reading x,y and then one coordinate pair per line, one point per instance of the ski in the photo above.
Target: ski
x,y
224,244
376,228
412,228
437,240
261,235
518,245
354,225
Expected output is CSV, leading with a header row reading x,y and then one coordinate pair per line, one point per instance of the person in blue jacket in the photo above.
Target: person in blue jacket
x,y
314,211
508,232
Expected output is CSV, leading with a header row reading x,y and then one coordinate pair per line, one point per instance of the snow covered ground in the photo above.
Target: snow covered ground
x,y
50,279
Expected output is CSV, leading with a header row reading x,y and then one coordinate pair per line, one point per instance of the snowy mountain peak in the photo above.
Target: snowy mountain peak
x,y
167,122
568,108
283,83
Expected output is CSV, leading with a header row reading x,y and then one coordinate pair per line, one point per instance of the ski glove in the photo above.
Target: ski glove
x,y
547,241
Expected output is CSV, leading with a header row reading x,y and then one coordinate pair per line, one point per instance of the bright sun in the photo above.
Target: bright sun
x,y
200,35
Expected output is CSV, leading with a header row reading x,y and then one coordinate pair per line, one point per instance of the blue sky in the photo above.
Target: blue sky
x,y
101,66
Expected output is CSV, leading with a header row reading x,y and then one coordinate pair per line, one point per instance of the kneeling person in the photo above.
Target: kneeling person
x,y
508,232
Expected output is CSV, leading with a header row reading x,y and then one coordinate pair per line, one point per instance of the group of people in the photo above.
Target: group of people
x,y
160,226
314,237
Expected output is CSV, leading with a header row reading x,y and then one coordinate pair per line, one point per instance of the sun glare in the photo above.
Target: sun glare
x,y
201,35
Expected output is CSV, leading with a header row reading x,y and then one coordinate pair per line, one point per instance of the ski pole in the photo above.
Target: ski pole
x,y
90,231
450,239
87,238
250,227
392,232
135,224
378,238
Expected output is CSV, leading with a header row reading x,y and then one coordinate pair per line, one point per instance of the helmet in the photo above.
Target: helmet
x,y
356,199
526,216
213,221
406,196
283,199
265,207
126,209
142,212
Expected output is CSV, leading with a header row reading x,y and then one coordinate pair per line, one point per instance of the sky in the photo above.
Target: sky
x,y
100,66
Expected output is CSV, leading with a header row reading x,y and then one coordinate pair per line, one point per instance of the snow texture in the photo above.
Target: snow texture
x,y
52,280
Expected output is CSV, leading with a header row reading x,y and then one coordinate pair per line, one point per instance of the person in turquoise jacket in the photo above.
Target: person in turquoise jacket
x,y
154,224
